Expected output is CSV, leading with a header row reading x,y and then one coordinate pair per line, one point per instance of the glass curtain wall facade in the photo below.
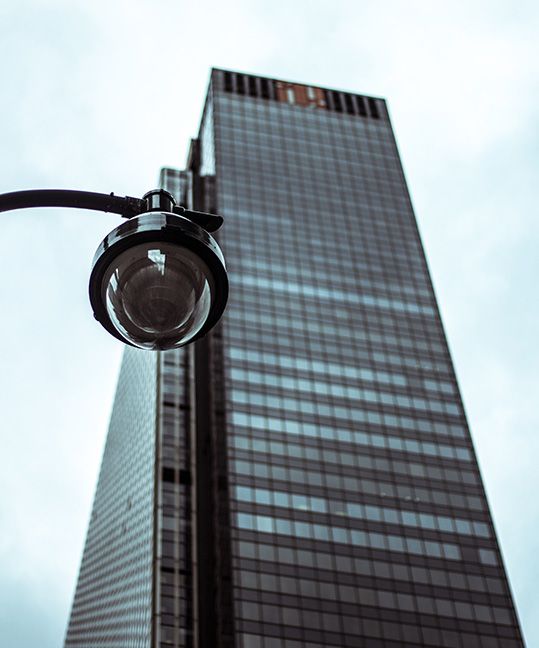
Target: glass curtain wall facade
x,y
113,600
358,512
313,479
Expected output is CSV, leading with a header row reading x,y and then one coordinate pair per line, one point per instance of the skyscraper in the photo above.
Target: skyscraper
x,y
304,476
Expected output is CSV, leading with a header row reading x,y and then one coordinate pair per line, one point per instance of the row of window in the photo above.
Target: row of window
x,y
337,370
364,462
281,138
385,221
384,441
342,273
286,174
251,160
312,186
364,251
258,195
350,414
287,499
400,490
290,268
291,426
347,276
399,634
326,533
352,273
333,294
332,566
284,246
342,391
360,257
281,120
361,352
334,331
331,269
311,190
340,139
362,596
329,212
269,116
254,160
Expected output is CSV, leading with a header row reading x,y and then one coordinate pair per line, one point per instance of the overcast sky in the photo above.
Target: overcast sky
x,y
98,95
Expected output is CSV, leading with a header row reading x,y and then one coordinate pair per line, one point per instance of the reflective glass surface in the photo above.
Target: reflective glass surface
x,y
158,296
112,605
358,513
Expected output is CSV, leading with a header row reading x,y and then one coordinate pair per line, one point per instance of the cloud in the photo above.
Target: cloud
x,y
27,619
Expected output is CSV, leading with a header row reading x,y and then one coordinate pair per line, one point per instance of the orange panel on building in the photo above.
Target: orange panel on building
x,y
301,95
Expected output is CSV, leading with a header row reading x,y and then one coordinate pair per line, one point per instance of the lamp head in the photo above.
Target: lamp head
x,y
158,281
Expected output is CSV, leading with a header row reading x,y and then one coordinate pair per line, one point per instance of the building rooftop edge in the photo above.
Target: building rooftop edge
x,y
307,85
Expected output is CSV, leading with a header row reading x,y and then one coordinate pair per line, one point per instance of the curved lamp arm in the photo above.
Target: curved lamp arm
x,y
125,206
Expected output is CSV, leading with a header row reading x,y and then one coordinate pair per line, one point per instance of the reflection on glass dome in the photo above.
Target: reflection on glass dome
x,y
158,295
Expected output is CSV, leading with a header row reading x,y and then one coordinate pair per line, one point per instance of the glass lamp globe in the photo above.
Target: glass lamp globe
x,y
158,281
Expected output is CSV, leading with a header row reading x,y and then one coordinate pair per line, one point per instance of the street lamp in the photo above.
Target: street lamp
x,y
159,280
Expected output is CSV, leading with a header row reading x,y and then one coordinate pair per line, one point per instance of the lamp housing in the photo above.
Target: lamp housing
x,y
158,281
